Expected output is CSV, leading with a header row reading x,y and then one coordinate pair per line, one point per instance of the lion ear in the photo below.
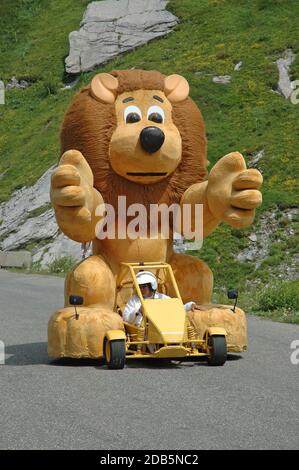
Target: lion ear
x,y
176,88
103,88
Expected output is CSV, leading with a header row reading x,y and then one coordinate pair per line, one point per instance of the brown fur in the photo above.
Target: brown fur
x,y
88,127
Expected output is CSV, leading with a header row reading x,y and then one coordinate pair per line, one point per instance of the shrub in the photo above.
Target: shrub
x,y
61,265
283,295
47,87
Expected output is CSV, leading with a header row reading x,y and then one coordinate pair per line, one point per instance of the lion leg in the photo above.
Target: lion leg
x,y
194,278
83,337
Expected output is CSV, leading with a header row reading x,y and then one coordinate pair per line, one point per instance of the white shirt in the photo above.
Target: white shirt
x,y
132,312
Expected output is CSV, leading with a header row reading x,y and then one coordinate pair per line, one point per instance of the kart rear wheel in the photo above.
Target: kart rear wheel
x,y
218,350
115,353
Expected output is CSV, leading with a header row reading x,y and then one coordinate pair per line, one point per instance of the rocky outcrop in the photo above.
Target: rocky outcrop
x,y
28,219
33,229
23,202
284,86
266,233
111,27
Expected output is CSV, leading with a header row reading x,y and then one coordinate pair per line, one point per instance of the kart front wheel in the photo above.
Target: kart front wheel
x,y
218,350
114,353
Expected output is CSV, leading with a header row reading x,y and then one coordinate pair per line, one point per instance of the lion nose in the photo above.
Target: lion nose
x,y
151,139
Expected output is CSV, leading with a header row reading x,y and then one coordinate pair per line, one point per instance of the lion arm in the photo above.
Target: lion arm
x,y
197,194
74,198
230,195
79,222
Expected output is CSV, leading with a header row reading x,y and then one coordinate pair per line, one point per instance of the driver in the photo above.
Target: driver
x,y
148,285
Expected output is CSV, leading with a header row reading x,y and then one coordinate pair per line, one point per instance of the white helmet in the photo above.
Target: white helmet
x,y
146,277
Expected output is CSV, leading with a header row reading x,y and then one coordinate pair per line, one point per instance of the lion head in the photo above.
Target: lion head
x,y
141,134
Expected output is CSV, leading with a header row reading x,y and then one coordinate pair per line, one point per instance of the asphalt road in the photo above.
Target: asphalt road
x,y
252,402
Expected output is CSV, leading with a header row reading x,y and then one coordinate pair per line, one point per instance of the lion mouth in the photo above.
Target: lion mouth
x,y
146,174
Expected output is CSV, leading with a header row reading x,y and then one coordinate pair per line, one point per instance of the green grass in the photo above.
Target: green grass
x,y
36,269
62,265
58,267
278,301
39,210
213,35
33,45
211,38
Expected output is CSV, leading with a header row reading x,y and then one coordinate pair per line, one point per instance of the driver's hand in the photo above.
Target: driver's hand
x,y
197,307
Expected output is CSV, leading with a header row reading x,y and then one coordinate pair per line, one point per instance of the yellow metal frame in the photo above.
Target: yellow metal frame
x,y
138,266
137,337
216,331
115,334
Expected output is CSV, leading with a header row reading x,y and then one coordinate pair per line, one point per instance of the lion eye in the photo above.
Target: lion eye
x,y
156,114
132,114
132,117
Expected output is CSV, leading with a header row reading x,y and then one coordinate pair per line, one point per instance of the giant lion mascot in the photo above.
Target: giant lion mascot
x,y
137,134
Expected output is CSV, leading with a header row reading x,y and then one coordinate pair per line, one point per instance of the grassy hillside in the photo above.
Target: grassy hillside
x,y
212,37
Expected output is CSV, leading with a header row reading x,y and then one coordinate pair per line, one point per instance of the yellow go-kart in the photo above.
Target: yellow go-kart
x,y
167,331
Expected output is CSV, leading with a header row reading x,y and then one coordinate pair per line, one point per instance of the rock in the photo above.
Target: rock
x,y
255,158
222,79
111,27
24,84
238,66
14,212
34,229
247,256
253,237
178,243
2,93
284,86
18,228
265,234
14,83
58,248
15,259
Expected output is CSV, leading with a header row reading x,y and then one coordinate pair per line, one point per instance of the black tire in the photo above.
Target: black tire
x,y
218,350
115,356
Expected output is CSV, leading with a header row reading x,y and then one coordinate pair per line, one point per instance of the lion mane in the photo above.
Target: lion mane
x,y
88,127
